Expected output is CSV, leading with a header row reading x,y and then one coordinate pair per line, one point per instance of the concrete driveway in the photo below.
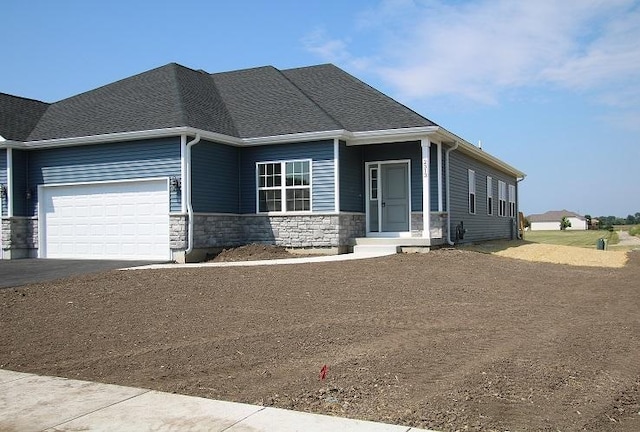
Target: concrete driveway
x,y
25,271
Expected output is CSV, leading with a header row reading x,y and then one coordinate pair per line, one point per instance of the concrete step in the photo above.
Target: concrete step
x,y
375,249
393,241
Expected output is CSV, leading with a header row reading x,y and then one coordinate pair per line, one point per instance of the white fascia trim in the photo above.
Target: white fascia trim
x,y
297,137
389,135
351,138
7,144
479,154
129,136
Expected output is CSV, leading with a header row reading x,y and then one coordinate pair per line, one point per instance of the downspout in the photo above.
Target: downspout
x,y
520,237
187,186
449,150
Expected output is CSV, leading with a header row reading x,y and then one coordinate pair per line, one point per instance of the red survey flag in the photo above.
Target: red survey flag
x,y
323,372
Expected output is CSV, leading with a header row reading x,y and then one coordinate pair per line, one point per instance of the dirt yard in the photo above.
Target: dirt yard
x,y
449,340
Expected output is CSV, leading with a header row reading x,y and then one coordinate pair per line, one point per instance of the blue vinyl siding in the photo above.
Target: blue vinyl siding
x,y
104,162
321,154
352,190
215,178
3,180
479,226
20,202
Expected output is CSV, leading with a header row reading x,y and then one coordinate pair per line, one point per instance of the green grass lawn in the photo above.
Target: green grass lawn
x,y
586,239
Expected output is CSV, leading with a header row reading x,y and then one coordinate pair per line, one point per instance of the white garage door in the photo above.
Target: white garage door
x,y
128,220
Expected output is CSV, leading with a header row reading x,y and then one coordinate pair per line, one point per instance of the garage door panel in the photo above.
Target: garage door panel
x,y
128,220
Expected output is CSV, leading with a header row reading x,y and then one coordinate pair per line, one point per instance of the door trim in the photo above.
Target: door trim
x,y
378,164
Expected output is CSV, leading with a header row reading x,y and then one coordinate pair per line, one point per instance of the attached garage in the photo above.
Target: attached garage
x,y
107,220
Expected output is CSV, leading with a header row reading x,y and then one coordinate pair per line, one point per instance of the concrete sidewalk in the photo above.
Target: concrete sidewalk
x,y
383,251
40,403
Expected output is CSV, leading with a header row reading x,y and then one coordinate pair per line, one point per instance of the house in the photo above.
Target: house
x,y
173,162
550,221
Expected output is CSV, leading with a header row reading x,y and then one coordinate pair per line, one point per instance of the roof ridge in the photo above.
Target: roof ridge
x,y
215,88
24,98
311,99
182,111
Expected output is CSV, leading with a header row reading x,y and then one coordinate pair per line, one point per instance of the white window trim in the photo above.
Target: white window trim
x,y
502,198
471,178
283,187
489,196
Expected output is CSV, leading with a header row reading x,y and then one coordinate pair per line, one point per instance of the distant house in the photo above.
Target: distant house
x,y
174,161
550,221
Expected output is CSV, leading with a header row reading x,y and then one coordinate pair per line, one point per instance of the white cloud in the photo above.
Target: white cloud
x,y
330,50
478,49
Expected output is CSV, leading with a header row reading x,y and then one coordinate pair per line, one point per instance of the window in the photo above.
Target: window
x,y
373,187
502,198
472,191
284,186
512,201
489,196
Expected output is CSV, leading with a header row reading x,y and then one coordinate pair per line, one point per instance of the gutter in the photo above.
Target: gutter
x,y
187,186
448,180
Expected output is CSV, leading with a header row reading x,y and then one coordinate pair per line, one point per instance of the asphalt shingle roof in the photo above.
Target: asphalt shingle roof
x,y
263,102
553,216
356,105
248,103
18,116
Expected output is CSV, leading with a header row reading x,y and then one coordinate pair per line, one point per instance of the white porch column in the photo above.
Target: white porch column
x,y
440,200
9,182
425,145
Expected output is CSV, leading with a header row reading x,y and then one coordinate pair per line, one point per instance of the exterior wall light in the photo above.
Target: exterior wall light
x,y
175,184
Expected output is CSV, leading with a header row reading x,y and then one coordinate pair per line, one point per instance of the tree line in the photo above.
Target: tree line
x,y
605,222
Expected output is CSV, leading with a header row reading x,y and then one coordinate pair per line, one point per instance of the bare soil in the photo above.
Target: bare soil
x,y
449,340
252,252
557,254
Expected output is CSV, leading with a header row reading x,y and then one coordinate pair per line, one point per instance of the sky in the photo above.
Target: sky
x,y
550,87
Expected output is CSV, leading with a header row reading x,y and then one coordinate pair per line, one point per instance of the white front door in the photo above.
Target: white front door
x,y
388,196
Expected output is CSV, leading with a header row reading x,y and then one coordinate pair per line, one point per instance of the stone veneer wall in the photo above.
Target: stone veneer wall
x,y
178,232
297,231
438,225
19,237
